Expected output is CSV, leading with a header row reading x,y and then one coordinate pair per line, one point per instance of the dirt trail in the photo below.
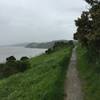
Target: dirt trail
x,y
72,83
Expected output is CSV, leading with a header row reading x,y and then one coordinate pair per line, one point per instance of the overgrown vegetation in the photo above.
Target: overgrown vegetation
x,y
58,45
88,35
90,75
43,81
88,29
12,66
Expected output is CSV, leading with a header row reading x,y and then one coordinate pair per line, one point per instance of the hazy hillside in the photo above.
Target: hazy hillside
x,y
21,44
38,44
44,44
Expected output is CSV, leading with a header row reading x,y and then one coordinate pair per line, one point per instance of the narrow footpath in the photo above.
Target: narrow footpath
x,y
72,83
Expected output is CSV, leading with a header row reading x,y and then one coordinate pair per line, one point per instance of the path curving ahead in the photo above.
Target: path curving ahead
x,y
73,89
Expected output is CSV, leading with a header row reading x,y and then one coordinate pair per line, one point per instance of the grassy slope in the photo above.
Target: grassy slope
x,y
89,76
44,81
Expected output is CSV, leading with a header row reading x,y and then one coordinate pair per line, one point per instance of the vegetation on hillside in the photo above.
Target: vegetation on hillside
x,y
60,44
13,66
88,35
89,74
88,29
43,81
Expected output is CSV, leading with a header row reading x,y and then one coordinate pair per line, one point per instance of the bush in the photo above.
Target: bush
x,y
8,69
23,65
12,66
70,43
11,58
59,45
50,50
24,58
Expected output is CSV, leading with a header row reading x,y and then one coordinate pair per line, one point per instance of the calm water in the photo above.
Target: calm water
x,y
18,52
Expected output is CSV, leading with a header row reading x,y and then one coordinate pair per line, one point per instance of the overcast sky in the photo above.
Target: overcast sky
x,y
38,20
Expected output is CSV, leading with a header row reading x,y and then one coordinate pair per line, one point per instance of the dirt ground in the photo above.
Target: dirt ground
x,y
73,89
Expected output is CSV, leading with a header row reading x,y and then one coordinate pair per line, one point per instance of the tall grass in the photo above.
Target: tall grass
x,y
43,81
89,75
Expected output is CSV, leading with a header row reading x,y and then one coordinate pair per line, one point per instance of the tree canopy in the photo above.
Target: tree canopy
x,y
88,27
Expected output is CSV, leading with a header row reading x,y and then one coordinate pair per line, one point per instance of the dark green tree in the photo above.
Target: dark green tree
x,y
24,58
88,28
10,59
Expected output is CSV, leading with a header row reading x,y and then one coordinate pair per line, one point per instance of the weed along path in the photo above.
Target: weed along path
x,y
72,82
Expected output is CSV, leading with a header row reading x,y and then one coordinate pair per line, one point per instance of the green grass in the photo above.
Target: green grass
x,y
44,81
89,75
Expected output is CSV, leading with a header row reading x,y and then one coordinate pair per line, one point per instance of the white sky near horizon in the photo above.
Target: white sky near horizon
x,y
38,20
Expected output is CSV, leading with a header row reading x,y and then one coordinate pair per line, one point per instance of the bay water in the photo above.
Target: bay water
x,y
19,52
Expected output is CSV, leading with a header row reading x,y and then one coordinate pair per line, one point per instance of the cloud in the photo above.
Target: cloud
x,y
38,20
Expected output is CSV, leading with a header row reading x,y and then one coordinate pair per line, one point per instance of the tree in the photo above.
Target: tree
x,y
24,58
10,59
88,28
92,2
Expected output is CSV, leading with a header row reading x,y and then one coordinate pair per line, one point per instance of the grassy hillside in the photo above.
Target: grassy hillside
x,y
90,75
44,81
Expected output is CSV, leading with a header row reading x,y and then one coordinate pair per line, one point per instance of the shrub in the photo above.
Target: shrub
x,y
11,58
23,65
8,69
24,58
50,50
70,43
12,66
59,45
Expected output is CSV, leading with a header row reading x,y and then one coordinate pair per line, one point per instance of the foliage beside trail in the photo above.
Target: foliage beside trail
x,y
88,29
88,35
89,74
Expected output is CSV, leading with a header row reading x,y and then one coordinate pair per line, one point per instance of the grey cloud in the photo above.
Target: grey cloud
x,y
38,20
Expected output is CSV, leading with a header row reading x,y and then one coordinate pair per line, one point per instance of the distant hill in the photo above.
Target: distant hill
x,y
43,45
21,44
